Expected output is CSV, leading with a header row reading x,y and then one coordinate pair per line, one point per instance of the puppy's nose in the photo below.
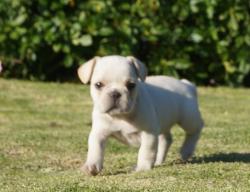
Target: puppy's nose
x,y
115,95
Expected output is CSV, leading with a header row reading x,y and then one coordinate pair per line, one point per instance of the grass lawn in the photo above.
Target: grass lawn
x,y
43,142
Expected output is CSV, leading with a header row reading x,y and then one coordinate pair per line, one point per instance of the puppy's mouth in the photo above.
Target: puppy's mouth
x,y
116,110
117,107
113,107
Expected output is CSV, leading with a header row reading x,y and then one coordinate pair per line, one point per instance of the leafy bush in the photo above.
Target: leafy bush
x,y
202,40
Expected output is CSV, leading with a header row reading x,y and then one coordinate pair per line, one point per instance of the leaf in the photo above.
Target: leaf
x,y
20,20
66,48
229,67
233,24
82,16
179,63
68,61
196,37
106,31
57,47
210,12
84,40
193,6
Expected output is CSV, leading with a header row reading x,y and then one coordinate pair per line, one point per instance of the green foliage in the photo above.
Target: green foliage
x,y
196,39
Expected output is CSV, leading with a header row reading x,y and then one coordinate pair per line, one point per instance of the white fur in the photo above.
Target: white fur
x,y
142,117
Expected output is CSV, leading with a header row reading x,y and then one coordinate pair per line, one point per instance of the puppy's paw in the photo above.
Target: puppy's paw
x,y
157,163
144,167
186,155
91,169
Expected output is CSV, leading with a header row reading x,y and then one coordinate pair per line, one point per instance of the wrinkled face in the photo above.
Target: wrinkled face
x,y
114,86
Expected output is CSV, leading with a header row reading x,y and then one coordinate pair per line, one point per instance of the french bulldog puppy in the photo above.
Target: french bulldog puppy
x,y
137,110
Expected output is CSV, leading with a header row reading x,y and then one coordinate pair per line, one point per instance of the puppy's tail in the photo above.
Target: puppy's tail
x,y
191,87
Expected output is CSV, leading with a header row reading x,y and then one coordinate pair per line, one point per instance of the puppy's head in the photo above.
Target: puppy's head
x,y
114,82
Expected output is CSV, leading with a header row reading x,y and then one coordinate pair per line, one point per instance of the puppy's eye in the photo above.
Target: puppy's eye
x,y
99,85
130,85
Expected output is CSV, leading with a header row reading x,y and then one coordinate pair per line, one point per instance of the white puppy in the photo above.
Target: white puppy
x,y
137,110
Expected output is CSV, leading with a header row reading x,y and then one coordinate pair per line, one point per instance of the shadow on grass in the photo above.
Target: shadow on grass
x,y
213,158
223,157
119,172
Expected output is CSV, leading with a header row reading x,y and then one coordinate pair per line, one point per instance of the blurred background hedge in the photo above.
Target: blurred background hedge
x,y
206,41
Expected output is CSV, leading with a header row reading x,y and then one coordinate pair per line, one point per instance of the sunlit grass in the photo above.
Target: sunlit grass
x,y
43,142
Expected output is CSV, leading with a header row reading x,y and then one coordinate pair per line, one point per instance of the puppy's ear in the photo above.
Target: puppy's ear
x,y
141,69
85,71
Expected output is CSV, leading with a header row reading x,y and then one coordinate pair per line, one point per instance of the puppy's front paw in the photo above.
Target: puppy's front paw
x,y
144,167
91,169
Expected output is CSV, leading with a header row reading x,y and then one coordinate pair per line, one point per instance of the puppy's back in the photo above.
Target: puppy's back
x,y
174,100
182,87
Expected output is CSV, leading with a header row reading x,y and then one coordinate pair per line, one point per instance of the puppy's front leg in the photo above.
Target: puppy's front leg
x,y
96,144
147,151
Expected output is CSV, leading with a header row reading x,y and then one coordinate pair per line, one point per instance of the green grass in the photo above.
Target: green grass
x,y
43,142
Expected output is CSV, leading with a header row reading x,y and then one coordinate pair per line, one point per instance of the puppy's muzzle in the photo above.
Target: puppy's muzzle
x,y
115,95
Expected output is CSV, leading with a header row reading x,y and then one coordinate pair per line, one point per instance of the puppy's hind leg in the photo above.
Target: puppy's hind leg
x,y
192,123
164,142
189,144
191,138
